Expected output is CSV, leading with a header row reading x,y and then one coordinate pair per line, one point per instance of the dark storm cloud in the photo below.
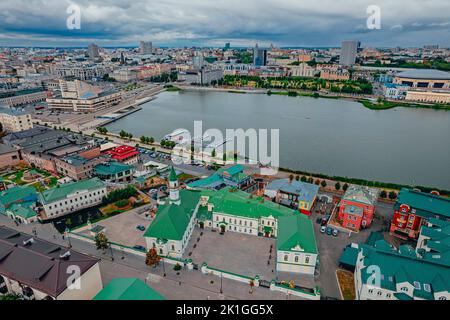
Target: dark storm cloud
x,y
212,22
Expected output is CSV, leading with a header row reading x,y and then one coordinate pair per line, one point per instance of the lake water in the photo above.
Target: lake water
x,y
333,137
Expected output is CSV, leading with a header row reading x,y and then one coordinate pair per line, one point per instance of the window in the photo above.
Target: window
x,y
286,258
426,287
307,260
370,291
296,259
388,295
417,285
380,293
404,289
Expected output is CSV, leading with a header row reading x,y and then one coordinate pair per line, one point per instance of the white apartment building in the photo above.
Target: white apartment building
x,y
302,70
71,197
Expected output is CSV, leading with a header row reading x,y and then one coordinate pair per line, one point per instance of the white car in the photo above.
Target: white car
x,y
323,229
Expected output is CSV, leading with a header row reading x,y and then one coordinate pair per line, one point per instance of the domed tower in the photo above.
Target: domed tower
x,y
174,187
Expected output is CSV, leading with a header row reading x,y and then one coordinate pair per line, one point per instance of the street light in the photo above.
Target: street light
x,y
111,249
221,283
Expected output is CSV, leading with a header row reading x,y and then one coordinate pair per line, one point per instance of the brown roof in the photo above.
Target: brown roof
x,y
39,264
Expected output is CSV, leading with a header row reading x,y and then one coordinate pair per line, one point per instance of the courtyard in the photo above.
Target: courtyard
x,y
234,252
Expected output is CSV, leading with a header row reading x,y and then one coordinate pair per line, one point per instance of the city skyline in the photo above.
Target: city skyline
x,y
207,24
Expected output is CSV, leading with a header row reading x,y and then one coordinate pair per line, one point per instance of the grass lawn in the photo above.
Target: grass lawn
x,y
347,284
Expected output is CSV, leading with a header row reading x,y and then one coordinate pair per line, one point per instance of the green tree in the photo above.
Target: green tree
x,y
323,183
101,241
213,153
123,134
345,187
337,186
392,195
304,179
383,194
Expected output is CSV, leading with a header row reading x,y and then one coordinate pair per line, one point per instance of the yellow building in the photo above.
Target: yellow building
x,y
428,96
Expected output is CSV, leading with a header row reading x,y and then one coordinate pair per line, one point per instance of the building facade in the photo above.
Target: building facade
x,y
15,120
357,207
71,197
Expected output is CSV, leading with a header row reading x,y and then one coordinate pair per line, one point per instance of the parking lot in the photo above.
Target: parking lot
x,y
122,229
331,248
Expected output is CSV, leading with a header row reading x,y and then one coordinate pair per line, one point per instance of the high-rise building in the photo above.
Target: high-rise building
x,y
145,47
259,56
198,61
227,46
349,50
93,51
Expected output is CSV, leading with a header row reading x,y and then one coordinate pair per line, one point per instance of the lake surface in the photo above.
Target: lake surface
x,y
333,137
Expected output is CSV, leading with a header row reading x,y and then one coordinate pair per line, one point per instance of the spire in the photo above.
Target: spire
x,y
173,175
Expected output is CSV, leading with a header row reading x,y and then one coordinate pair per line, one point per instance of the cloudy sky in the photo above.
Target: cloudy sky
x,y
214,22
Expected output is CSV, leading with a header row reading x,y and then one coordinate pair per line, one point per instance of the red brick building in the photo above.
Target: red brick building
x,y
413,209
357,207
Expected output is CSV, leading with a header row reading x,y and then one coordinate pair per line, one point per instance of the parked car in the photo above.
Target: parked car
x,y
329,231
323,229
141,228
335,232
140,248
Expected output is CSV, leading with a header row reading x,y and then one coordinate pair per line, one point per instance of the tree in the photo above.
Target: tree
x,y
383,194
323,183
68,222
213,153
143,139
152,258
304,179
151,140
224,157
1,127
297,178
345,187
337,186
291,177
101,241
317,182
392,195
123,134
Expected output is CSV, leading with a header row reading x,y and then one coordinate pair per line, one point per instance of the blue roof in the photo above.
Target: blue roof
x,y
305,191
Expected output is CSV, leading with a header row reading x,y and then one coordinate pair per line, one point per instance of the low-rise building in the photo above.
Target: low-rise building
x,y
79,96
15,120
357,207
294,194
385,273
231,210
296,245
38,270
127,289
19,203
114,171
442,97
77,167
71,197
233,176
9,156
21,97
125,154
335,75
434,239
395,91
413,209
302,70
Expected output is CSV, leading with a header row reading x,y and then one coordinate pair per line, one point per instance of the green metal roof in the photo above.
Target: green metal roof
x,y
426,205
173,175
296,230
349,256
235,202
16,194
128,289
397,267
61,191
23,210
172,220
112,168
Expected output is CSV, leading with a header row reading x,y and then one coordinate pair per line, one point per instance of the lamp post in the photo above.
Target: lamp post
x,y
111,249
221,283
67,231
